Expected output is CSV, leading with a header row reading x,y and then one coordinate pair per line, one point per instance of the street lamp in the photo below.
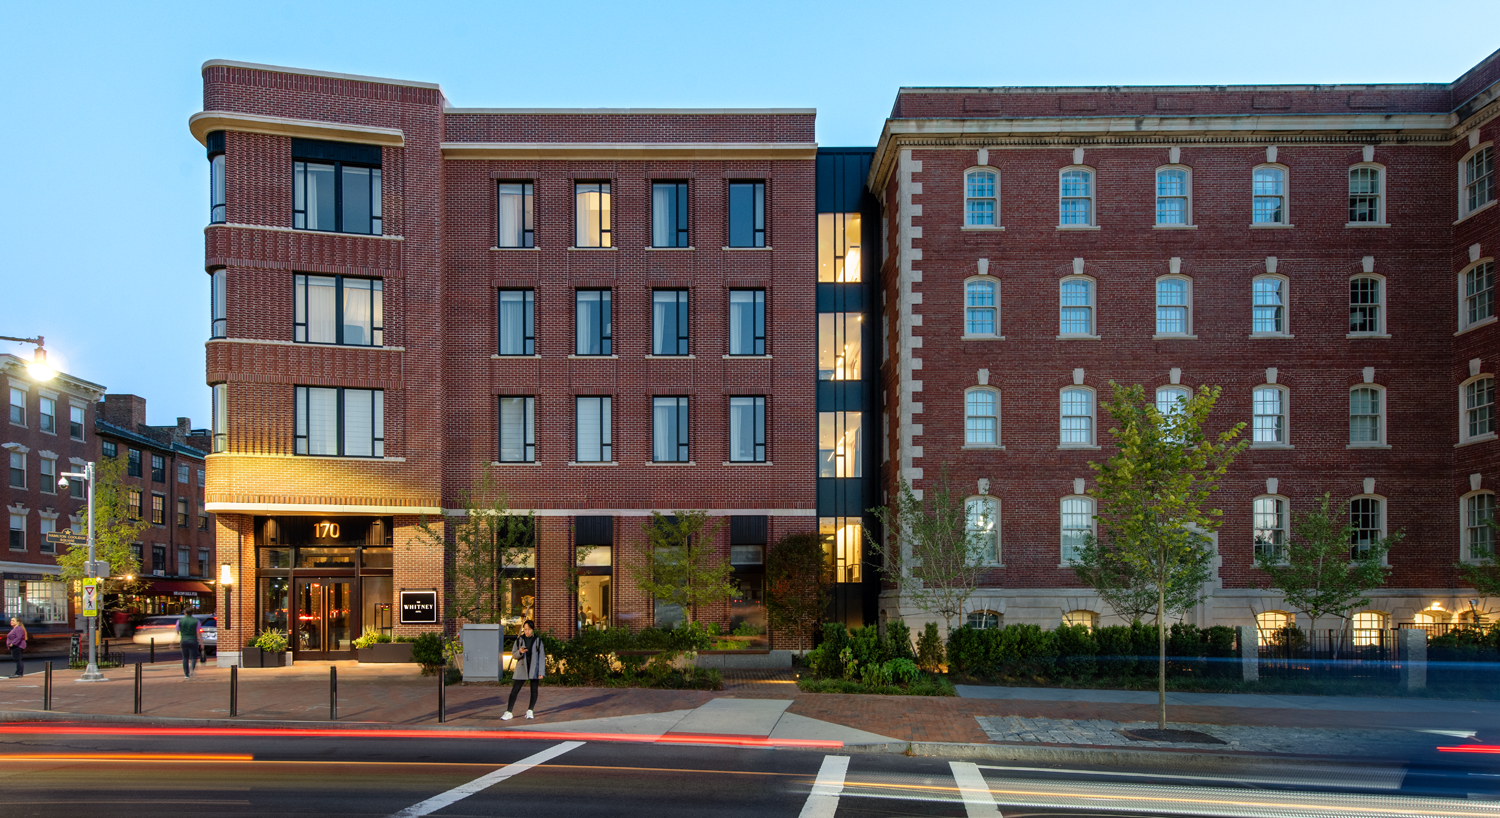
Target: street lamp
x,y
38,368
91,569
226,579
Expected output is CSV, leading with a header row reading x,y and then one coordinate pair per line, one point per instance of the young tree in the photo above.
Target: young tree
x,y
799,584
682,567
115,532
931,556
1153,510
1319,571
1484,572
489,538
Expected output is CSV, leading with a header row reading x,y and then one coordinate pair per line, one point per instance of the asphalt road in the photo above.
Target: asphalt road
x,y
125,771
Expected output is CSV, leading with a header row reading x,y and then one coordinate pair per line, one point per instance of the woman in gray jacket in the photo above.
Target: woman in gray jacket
x,y
528,662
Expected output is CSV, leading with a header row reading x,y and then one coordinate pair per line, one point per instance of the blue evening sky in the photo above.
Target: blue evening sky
x,y
105,192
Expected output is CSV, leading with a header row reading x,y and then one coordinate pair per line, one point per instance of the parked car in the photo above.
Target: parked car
x,y
163,629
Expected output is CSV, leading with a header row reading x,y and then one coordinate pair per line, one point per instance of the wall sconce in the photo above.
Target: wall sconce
x,y
226,579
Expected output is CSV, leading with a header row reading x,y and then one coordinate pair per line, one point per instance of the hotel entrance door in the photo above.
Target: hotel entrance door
x,y
325,618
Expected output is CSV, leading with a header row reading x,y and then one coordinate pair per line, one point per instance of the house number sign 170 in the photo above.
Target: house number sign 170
x,y
326,531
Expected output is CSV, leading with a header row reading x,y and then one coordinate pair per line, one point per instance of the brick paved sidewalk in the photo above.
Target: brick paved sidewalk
x,y
1236,738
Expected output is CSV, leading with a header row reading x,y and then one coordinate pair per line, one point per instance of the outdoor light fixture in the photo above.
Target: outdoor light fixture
x,y
225,576
226,579
38,368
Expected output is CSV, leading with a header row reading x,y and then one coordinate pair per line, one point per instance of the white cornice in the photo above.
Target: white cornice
x,y
305,509
308,72
629,150
205,122
18,369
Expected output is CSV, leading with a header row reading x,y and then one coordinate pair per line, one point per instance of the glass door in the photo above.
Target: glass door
x,y
325,618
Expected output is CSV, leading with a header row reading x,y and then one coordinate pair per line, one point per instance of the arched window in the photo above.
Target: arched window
x,y
1270,195
1476,179
1075,197
1270,426
1077,416
1268,305
1476,286
1174,196
981,417
1076,306
1366,305
1269,622
982,198
1479,537
1367,415
982,306
1088,619
1174,306
1367,519
1477,407
1077,525
1369,627
1366,194
1170,399
1270,521
984,620
982,523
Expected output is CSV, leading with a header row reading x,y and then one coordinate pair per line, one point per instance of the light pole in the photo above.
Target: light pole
x,y
91,570
38,368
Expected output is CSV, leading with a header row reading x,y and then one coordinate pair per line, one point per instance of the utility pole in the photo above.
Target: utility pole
x,y
92,571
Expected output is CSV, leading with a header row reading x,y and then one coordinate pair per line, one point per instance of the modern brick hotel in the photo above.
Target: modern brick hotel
x,y
620,311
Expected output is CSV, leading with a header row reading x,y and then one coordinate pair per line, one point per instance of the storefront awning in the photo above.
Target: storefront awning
x,y
175,587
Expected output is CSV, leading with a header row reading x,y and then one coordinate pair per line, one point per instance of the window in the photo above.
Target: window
x,y
1268,306
333,421
216,189
158,509
1479,537
984,620
220,429
516,319
17,534
338,196
46,525
183,563
592,322
1077,427
135,505
1173,313
591,214
593,430
1270,416
839,241
981,198
1368,626
47,412
158,559
747,322
1172,399
1270,521
1269,185
133,463
1077,526
1365,412
1365,314
218,321
839,445
158,469
843,547
18,406
1477,180
182,512
1087,619
202,567
1478,289
982,524
1479,407
75,422
1076,305
669,322
747,430
38,601
182,473
517,430
747,214
1269,622
200,478
513,213
75,487
202,520
1366,183
1172,196
669,430
981,307
49,475
982,417
110,450
1075,197
669,214
839,346
338,310
1367,518
17,470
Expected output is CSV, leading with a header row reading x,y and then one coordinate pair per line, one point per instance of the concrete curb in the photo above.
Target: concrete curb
x,y
1167,758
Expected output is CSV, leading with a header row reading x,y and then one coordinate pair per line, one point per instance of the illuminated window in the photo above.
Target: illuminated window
x,y
1075,197
591,214
839,445
1270,528
1088,619
981,198
1269,622
839,346
982,525
1172,194
839,241
1369,627
843,547
1269,185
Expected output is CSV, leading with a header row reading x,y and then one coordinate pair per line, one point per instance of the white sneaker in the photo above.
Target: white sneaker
x,y
507,716
528,715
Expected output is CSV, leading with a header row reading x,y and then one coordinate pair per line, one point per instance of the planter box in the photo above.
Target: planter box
x,y
255,657
385,653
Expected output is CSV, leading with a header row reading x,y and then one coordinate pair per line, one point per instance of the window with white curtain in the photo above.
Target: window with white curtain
x,y
220,417
669,322
981,307
218,308
591,214
338,310
1077,428
747,430
592,328
1172,196
1075,197
747,322
981,199
516,322
514,214
669,214
335,421
593,430
669,429
517,429
336,196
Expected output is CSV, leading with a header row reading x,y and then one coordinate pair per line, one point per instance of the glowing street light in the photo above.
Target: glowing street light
x,y
38,368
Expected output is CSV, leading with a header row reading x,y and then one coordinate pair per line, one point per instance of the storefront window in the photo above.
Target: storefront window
x,y
276,558
376,604
273,603
36,601
518,602
593,601
325,557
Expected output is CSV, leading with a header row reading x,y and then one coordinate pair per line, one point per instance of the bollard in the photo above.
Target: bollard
x,y
442,693
137,688
153,651
333,694
234,690
47,687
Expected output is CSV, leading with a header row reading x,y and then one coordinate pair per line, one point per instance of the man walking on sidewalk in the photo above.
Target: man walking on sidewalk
x,y
188,626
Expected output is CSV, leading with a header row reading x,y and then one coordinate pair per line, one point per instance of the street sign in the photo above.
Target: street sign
x,y
97,568
91,597
66,538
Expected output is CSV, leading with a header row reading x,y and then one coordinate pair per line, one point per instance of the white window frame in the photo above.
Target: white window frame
x,y
1379,194
25,518
1092,198
998,554
1380,306
994,284
1093,308
999,441
1385,510
1464,324
1463,410
1380,442
1093,527
1286,418
1466,552
1188,285
1173,387
1464,211
995,224
1286,195
1286,307
18,456
1285,527
1069,618
1187,198
1093,416
1264,627
46,483
984,614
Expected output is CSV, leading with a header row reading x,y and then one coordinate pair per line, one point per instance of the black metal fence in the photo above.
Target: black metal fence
x,y
1346,654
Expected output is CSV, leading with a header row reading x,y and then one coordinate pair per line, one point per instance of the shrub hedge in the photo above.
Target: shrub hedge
x,y
1076,651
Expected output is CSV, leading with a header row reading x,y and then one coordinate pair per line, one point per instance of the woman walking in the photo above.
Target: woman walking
x,y
528,662
16,641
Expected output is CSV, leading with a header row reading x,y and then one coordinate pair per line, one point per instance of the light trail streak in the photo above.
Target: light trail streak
x,y
164,757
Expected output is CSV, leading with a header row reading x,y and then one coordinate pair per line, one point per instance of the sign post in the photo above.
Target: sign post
x,y
91,597
92,572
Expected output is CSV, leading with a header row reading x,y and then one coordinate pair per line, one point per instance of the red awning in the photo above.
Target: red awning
x,y
175,587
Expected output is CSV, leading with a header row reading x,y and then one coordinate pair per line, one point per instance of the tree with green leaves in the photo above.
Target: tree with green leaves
x,y
1484,572
1323,570
489,538
115,535
930,554
1153,515
682,567
799,585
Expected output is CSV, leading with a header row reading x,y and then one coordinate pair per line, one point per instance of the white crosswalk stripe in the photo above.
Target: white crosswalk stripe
x,y
979,802
824,800
488,780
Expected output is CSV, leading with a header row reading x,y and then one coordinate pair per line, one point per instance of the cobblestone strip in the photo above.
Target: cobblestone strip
x,y
1298,740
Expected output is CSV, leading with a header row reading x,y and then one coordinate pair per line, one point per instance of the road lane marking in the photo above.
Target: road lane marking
x,y
978,801
823,802
484,782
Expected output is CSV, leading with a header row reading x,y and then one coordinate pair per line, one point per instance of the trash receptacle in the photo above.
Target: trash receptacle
x,y
482,652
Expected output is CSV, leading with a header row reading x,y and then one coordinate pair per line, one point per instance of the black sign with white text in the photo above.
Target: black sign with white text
x,y
419,608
